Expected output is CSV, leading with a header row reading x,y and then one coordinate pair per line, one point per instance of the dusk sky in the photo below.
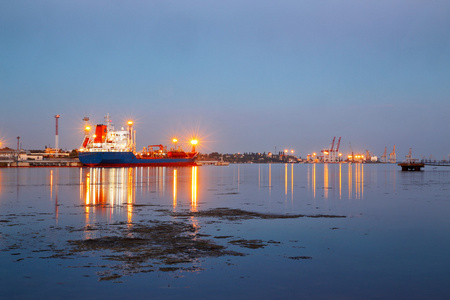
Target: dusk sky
x,y
245,76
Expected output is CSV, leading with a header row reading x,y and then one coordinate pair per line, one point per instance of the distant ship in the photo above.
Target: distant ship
x,y
106,147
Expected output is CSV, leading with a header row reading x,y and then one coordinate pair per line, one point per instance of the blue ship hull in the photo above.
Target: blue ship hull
x,y
128,159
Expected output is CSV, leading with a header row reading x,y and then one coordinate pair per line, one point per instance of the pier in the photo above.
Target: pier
x,y
413,164
436,163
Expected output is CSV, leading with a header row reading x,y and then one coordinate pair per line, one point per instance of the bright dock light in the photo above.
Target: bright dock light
x,y
194,142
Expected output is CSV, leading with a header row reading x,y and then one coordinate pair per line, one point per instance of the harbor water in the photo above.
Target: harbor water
x,y
244,231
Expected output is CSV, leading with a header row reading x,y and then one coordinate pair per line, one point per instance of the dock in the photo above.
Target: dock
x,y
40,163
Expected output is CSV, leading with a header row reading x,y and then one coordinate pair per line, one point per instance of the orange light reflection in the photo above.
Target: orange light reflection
x,y
194,186
174,188
270,178
56,195
105,190
130,196
325,181
87,197
362,181
51,184
340,181
314,180
285,178
350,189
292,182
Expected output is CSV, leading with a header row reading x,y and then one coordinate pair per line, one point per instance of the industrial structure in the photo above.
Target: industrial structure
x,y
332,155
384,156
54,152
56,135
393,156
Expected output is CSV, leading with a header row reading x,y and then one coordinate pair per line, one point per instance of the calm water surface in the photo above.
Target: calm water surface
x,y
392,244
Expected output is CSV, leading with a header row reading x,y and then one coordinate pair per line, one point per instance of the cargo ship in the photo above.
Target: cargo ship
x,y
106,147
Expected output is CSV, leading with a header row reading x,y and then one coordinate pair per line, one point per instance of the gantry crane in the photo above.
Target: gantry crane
x,y
393,156
337,150
384,156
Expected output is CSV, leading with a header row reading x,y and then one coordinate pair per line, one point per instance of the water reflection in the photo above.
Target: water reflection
x,y
292,182
54,187
109,190
325,181
270,178
340,181
350,180
285,179
359,181
288,182
130,195
103,191
312,178
174,189
333,182
194,188
51,184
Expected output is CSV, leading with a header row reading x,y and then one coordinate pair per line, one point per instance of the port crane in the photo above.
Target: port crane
x,y
331,154
337,149
384,156
393,156
409,156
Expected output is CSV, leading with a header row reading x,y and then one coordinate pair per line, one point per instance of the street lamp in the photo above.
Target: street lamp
x,y
194,142
175,140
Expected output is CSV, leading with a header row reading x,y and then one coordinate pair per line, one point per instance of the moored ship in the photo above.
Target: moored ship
x,y
106,147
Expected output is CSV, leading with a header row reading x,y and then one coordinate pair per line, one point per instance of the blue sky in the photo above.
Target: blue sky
x,y
246,76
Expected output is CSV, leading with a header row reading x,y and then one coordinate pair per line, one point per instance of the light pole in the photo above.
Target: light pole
x,y
57,134
194,142
174,141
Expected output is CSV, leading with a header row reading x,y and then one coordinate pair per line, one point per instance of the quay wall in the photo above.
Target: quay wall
x,y
40,163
